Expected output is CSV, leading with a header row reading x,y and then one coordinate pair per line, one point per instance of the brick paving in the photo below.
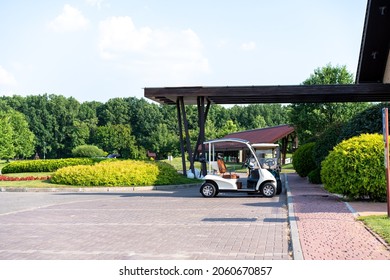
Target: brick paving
x,y
142,225
327,228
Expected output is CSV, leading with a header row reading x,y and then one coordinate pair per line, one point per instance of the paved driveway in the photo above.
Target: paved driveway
x,y
176,224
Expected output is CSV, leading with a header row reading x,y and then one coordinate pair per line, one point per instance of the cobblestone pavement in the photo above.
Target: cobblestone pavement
x,y
178,224
327,228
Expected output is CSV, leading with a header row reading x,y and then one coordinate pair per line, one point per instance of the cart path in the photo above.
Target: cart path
x,y
327,228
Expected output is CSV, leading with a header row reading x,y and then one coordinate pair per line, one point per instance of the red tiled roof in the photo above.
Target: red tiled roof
x,y
263,135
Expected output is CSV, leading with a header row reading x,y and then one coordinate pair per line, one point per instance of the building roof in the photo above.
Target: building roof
x,y
374,51
263,135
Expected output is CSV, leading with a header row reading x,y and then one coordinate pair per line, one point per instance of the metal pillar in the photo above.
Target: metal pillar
x,y
182,119
187,135
183,155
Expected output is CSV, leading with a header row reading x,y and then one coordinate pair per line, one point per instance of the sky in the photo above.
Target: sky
x,y
94,50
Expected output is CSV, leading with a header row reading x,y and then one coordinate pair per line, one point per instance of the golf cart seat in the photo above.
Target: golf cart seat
x,y
222,169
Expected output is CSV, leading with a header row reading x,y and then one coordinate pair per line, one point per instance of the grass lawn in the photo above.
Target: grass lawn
x,y
379,224
288,168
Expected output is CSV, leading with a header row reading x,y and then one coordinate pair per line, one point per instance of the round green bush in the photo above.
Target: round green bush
x,y
355,168
88,151
119,173
314,176
303,161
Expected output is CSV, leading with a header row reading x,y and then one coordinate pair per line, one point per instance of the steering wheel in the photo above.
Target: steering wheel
x,y
248,161
270,162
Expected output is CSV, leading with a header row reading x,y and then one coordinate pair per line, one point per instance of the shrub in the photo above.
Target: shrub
x,y
45,165
119,173
88,151
303,161
355,168
325,143
314,176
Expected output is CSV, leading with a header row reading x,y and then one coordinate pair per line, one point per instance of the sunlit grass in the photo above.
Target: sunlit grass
x,y
379,224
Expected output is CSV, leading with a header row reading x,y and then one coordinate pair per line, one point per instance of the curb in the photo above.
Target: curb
x,y
292,221
100,189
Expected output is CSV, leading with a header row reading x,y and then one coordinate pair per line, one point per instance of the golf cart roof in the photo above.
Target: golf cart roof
x,y
265,145
222,140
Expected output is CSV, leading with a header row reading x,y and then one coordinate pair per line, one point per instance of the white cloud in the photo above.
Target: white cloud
x,y
95,3
71,19
155,52
6,78
119,35
248,46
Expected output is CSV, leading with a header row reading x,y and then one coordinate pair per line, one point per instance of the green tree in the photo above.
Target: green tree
x,y
165,142
311,119
23,140
116,139
7,150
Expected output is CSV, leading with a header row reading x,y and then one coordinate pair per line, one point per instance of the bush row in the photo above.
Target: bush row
x,y
44,165
119,173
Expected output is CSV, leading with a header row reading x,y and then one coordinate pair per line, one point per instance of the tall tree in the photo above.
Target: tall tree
x,y
22,140
116,139
311,119
7,150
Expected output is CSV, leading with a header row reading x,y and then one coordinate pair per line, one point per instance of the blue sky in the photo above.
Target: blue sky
x,y
101,49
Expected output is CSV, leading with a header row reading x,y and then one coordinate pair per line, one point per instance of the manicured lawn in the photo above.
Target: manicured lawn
x,y
379,224
288,168
32,184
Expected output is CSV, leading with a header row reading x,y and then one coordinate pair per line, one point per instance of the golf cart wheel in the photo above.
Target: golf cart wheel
x,y
208,190
279,187
268,189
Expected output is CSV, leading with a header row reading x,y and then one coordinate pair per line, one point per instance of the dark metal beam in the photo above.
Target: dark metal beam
x,y
366,92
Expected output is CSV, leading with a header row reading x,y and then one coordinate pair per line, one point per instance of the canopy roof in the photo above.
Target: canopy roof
x,y
373,76
263,135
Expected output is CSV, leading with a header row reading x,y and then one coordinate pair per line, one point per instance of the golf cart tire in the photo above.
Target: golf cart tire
x,y
268,189
208,189
279,187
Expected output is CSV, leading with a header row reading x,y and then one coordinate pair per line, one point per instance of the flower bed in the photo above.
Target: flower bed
x,y
28,178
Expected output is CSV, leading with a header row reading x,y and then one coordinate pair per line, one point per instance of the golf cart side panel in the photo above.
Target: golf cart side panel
x,y
223,184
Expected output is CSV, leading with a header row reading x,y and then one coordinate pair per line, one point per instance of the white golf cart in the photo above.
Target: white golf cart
x,y
219,179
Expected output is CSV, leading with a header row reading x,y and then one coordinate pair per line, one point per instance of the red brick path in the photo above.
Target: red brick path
x,y
327,228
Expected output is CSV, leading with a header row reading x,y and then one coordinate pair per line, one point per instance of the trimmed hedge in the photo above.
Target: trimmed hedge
x,y
88,151
44,165
355,168
303,161
119,173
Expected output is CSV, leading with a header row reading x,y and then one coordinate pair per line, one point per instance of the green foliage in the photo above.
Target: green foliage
x,y
88,151
311,119
325,143
355,168
165,142
367,121
303,159
48,165
115,139
7,150
17,139
119,173
314,176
